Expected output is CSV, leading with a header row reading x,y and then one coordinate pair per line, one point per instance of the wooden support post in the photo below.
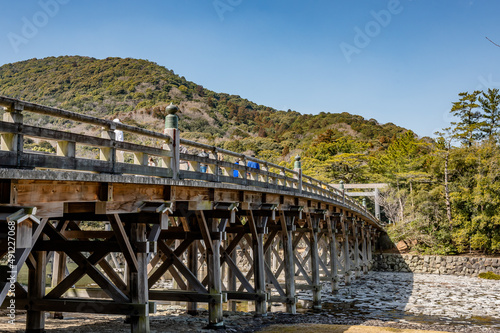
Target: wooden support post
x,y
363,249
58,273
231,277
315,263
35,320
138,281
370,247
287,239
347,266
357,263
192,307
259,272
334,259
215,318
267,261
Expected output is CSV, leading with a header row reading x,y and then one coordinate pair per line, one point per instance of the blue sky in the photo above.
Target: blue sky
x,y
395,61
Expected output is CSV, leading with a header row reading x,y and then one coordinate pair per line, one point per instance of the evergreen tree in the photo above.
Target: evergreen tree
x,y
467,130
490,104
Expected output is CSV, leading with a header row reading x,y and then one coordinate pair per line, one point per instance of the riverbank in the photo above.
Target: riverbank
x,y
381,299
434,264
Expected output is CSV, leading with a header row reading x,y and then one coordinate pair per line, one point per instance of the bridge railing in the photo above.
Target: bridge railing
x,y
164,155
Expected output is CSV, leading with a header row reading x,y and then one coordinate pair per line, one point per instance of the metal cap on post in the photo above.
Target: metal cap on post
x,y
297,166
172,129
171,119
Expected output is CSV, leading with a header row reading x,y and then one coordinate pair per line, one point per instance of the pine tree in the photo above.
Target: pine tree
x,y
468,128
490,104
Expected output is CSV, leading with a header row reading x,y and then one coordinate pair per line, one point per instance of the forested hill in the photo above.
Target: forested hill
x,y
441,199
137,91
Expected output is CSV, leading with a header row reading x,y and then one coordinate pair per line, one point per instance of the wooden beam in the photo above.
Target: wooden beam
x,y
195,284
84,306
75,275
245,296
252,224
184,296
91,270
274,280
234,268
205,231
123,241
76,245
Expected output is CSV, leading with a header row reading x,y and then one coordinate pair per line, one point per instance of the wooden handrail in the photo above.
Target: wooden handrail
x,y
18,105
220,170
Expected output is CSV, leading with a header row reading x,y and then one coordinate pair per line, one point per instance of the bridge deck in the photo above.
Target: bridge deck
x,y
220,236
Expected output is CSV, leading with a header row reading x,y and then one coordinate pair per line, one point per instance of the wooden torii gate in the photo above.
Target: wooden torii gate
x,y
375,193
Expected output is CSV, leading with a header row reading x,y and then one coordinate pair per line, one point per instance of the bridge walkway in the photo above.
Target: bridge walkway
x,y
128,215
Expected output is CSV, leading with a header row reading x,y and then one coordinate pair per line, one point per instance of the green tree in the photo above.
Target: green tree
x,y
490,104
442,149
476,197
467,130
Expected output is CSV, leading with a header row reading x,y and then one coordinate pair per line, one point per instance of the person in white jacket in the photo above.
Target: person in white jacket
x,y
119,137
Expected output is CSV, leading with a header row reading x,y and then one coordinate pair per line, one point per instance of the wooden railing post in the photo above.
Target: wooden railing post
x,y
172,129
140,158
377,203
13,142
245,171
342,189
108,153
267,173
298,168
283,182
66,148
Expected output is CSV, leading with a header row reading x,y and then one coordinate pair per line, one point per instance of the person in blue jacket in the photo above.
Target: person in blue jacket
x,y
253,164
236,173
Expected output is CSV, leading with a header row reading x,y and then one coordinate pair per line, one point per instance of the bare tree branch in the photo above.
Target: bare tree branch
x,y
492,42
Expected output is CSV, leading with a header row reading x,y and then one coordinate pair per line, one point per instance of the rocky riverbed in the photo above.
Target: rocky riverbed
x,y
399,300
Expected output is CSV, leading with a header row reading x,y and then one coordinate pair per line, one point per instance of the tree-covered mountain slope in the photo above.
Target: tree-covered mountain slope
x,y
137,91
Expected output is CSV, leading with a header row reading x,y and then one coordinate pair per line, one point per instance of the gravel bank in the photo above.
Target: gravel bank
x,y
399,300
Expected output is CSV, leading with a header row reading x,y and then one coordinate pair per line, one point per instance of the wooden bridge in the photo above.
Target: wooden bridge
x,y
256,235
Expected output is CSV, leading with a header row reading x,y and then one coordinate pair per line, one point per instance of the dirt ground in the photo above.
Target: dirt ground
x,y
312,328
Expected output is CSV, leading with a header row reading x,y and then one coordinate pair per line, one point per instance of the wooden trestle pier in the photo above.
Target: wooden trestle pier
x,y
258,236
